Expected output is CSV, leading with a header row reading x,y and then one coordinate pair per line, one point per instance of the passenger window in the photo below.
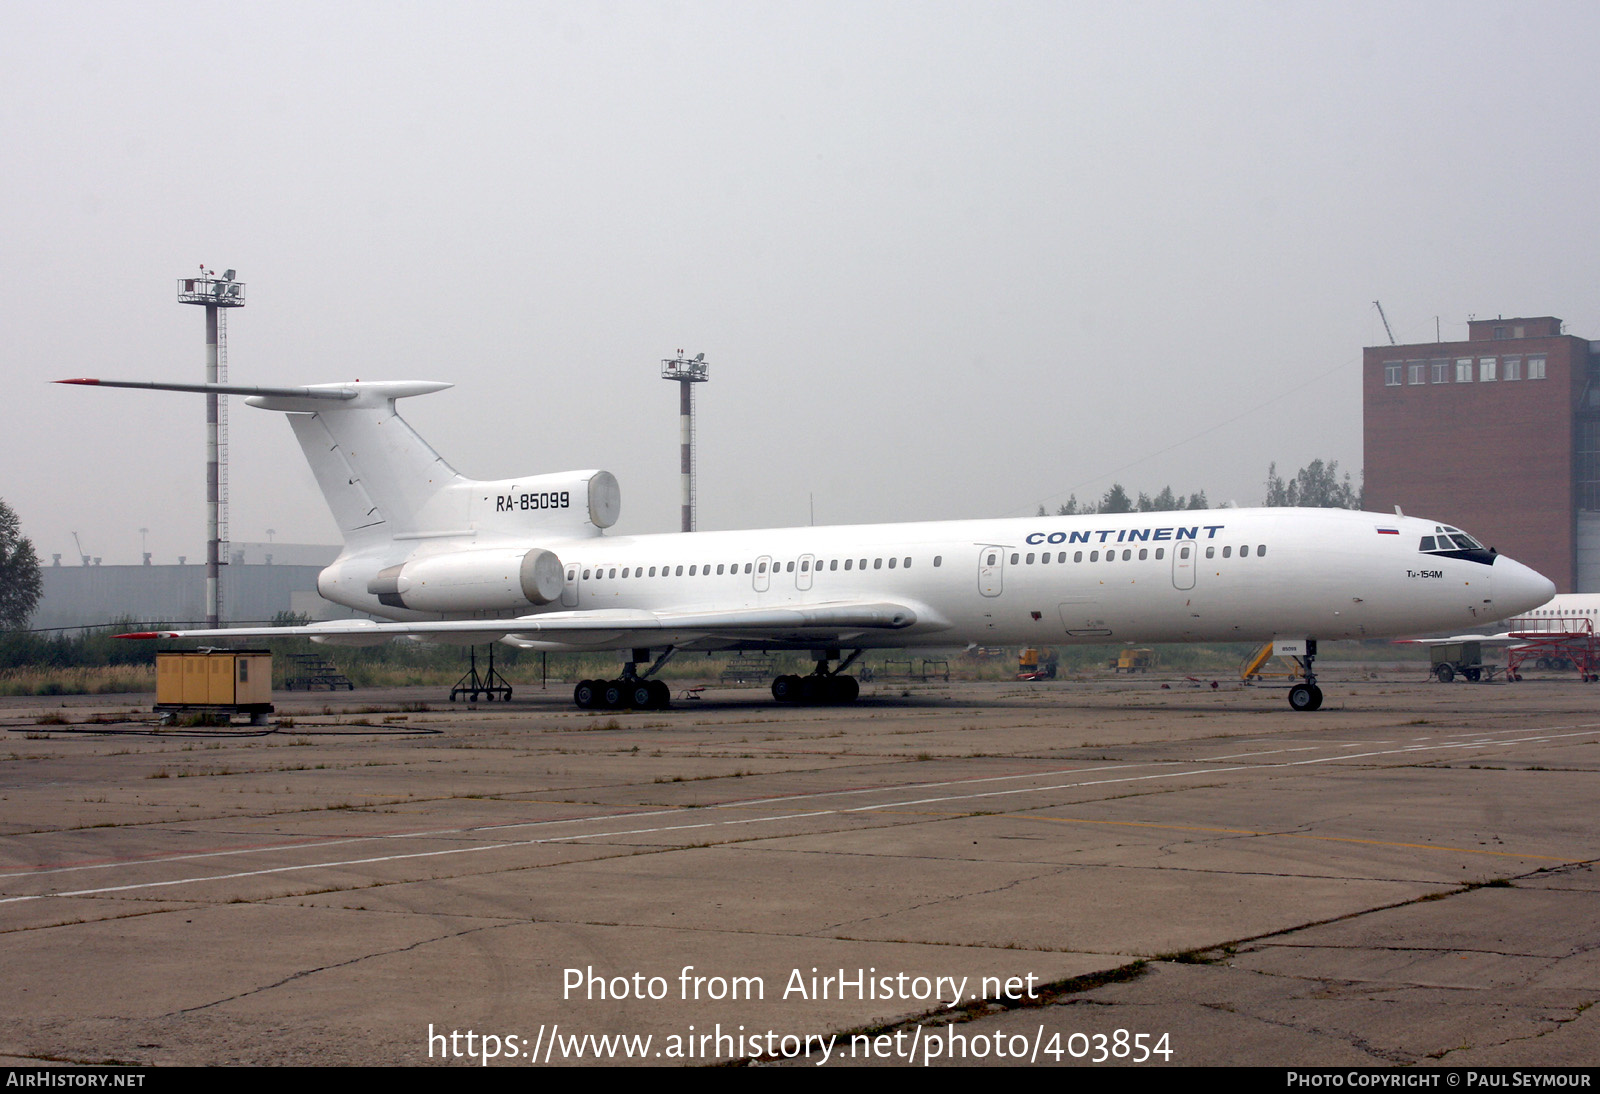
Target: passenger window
x,y
746,567
1030,558
1013,558
1143,554
1161,552
789,568
1261,550
877,564
847,563
1227,552
763,568
834,565
586,575
1127,554
613,572
805,565
938,560
892,561
991,560
1062,557
907,563
691,571
1045,557
1077,556
719,569
1211,552
1094,556
679,572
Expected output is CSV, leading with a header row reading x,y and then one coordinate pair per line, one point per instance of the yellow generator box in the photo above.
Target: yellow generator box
x,y
213,678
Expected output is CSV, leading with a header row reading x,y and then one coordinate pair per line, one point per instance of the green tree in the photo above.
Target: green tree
x,y
1116,500
20,584
1316,486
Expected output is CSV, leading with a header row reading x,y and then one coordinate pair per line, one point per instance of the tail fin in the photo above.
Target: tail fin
x,y
384,482
376,473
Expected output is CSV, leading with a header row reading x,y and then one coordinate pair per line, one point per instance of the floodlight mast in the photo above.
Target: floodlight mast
x,y
213,293
687,373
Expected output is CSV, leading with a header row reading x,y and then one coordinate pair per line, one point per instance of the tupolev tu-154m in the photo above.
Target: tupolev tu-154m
x,y
528,561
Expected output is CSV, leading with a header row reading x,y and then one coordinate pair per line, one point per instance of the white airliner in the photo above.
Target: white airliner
x,y
527,561
1558,633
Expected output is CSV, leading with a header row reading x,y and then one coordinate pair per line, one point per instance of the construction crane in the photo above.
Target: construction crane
x,y
1385,319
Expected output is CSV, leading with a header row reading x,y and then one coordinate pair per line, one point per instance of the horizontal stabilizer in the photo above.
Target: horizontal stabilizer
x,y
321,392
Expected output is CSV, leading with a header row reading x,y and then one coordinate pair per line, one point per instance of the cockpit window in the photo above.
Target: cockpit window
x,y
1455,543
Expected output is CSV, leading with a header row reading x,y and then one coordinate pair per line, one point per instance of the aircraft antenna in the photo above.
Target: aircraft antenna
x,y
687,373
214,294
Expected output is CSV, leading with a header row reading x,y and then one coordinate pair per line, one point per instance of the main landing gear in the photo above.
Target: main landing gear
x,y
1307,696
629,690
820,686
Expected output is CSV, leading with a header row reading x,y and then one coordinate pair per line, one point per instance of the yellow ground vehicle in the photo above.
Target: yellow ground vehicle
x,y
1036,664
1134,660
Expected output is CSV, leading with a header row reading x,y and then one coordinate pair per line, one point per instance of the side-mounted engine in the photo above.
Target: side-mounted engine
x,y
492,579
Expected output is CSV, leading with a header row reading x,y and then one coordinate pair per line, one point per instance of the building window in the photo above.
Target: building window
x,y
1536,368
1441,371
1513,368
1463,370
1486,369
1416,371
1391,374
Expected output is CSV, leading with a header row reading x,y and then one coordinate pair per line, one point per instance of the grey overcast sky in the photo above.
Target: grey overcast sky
x,y
945,259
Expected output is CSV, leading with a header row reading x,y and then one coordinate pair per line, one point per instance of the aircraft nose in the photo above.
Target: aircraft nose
x,y
1519,588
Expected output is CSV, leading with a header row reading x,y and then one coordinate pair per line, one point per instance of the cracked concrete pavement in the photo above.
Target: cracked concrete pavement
x,y
1405,877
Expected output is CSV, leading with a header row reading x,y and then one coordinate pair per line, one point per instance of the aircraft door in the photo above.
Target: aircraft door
x,y
991,570
1184,562
802,573
570,586
763,573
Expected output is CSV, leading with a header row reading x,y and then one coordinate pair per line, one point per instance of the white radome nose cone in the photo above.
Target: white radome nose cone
x,y
1519,588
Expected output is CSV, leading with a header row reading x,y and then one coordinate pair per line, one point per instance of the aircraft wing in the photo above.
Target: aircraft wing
x,y
1501,639
601,625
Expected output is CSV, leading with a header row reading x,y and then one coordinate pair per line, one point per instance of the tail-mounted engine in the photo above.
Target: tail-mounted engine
x,y
492,579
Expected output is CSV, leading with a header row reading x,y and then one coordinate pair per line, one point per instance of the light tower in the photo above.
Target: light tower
x,y
687,373
215,293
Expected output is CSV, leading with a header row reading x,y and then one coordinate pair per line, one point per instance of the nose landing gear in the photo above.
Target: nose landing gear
x,y
1307,696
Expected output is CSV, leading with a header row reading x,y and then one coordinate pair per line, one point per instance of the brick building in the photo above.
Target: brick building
x,y
1499,435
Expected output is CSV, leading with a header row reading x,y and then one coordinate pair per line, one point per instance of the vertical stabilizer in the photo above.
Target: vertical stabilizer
x,y
376,473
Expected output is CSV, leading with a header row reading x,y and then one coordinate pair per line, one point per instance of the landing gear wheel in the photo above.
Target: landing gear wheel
x,y
1305,697
641,696
786,689
613,695
585,693
843,689
660,695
